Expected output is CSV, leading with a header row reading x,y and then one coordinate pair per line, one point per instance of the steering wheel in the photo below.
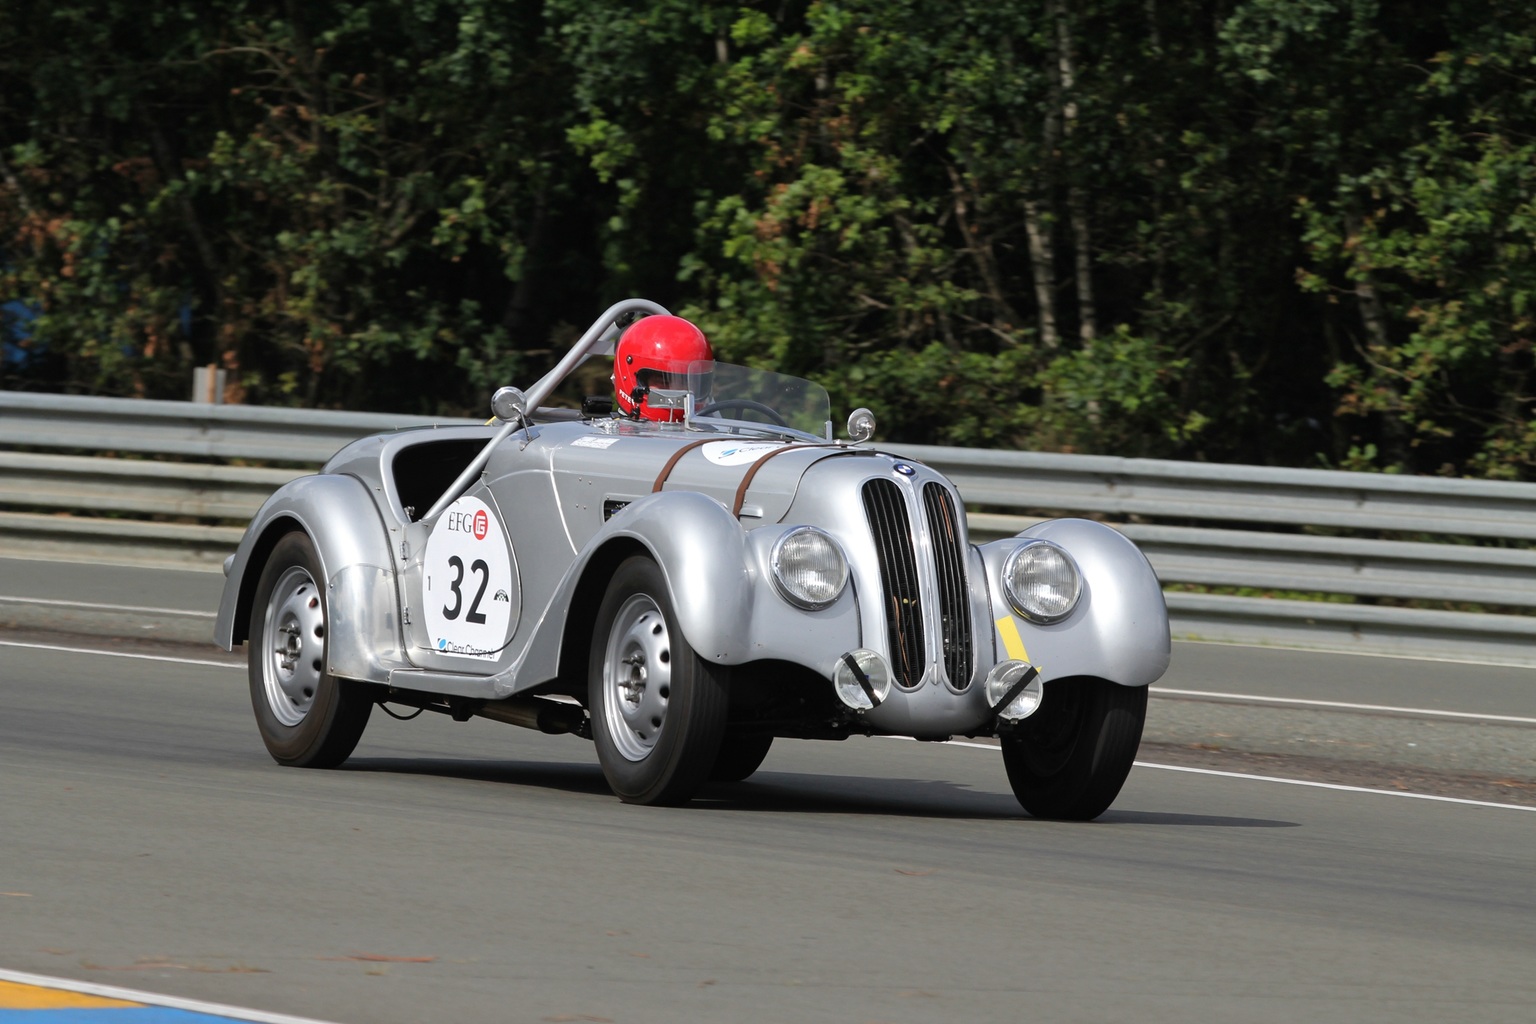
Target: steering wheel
x,y
744,404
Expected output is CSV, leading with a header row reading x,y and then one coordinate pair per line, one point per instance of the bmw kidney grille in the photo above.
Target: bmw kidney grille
x,y
885,506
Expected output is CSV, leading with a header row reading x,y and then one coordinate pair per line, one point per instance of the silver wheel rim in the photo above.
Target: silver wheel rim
x,y
637,677
293,659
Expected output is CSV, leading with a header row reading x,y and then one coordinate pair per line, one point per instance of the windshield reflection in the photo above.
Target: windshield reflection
x,y
759,398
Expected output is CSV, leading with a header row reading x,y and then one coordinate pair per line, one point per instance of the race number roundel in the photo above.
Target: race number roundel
x,y
738,453
467,573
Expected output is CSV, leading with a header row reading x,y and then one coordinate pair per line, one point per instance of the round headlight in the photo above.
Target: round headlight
x,y
1042,581
809,568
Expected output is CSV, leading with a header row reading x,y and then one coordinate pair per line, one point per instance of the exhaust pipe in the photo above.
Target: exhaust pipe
x,y
555,718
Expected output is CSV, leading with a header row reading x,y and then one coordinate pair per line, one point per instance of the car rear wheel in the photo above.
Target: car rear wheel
x,y
740,755
1069,759
658,709
307,717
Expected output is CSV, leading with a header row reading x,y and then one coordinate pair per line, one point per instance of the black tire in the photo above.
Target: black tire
x,y
307,717
740,755
658,709
1069,759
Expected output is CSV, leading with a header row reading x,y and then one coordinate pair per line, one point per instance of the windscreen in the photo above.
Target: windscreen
x,y
741,393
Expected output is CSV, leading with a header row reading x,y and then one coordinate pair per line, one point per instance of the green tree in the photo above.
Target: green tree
x,y
343,203
1436,240
1291,231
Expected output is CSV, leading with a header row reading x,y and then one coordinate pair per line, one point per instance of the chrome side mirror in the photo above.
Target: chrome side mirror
x,y
861,425
509,404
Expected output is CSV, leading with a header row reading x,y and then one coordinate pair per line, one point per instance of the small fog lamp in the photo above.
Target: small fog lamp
x,y
1004,680
862,679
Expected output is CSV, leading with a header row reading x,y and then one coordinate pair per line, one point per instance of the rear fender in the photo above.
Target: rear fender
x,y
342,520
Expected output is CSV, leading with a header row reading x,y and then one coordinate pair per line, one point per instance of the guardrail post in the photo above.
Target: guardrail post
x,y
208,384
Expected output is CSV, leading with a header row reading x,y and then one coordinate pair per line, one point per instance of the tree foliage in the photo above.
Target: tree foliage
x,y
1293,231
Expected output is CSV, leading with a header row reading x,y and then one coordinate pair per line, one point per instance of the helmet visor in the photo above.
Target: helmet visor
x,y
662,379
698,378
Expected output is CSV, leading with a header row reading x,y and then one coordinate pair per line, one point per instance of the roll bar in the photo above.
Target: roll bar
x,y
594,336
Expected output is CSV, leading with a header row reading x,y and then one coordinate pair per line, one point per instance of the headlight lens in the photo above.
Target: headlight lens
x,y
862,679
809,568
1042,581
1001,681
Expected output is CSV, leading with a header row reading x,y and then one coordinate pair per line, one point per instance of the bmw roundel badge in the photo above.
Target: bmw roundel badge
x,y
904,469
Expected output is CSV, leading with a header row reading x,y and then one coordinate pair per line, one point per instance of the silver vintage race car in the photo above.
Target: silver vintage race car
x,y
681,573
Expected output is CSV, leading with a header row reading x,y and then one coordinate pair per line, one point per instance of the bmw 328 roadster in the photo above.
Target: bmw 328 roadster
x,y
681,573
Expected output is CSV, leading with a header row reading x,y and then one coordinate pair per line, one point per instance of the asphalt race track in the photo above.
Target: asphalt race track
x,y
477,872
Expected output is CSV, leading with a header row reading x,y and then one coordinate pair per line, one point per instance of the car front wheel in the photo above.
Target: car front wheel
x,y
1069,759
307,717
658,709
740,755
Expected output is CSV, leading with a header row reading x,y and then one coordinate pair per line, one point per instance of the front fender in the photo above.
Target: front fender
x,y
702,551
1119,631
353,546
700,548
716,579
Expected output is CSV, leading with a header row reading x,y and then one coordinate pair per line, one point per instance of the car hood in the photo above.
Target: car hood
x,y
597,472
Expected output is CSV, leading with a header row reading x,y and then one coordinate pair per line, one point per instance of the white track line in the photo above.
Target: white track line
x,y
1340,705
151,999
1336,786
1287,782
1385,655
985,746
1155,691
127,608
121,654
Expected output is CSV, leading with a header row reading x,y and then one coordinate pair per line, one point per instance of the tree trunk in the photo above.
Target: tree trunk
x,y
1044,272
1087,311
1005,320
15,185
212,274
1396,444
1037,220
1077,199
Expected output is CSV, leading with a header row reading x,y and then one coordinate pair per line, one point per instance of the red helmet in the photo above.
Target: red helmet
x,y
655,351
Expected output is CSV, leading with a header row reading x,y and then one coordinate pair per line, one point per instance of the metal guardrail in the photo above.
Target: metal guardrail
x,y
112,506
188,429
136,485
1239,494
1245,529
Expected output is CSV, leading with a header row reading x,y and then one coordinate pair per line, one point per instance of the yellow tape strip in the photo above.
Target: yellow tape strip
x,y
1008,631
15,996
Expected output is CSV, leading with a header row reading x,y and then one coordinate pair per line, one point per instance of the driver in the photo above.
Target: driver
x,y
656,352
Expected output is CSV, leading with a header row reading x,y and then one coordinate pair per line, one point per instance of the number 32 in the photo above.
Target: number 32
x,y
474,615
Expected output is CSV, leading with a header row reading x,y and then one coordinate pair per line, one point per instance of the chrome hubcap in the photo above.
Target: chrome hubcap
x,y
295,646
637,677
